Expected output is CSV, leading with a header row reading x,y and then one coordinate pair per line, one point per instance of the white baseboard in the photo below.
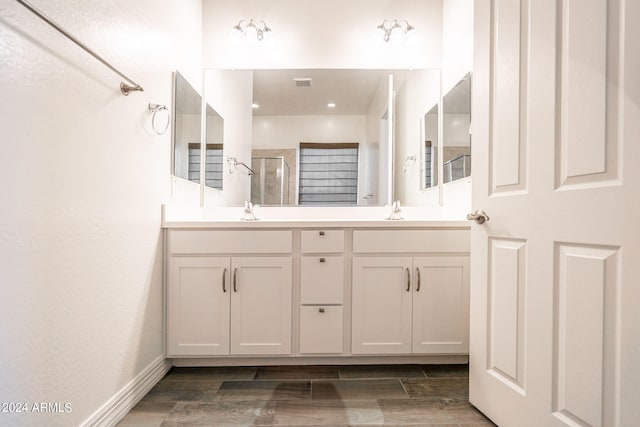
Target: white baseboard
x,y
320,360
121,403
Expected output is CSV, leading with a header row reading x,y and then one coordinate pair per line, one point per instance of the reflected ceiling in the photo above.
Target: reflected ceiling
x,y
352,91
457,100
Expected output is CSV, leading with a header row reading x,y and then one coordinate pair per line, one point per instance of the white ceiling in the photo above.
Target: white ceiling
x,y
458,99
351,90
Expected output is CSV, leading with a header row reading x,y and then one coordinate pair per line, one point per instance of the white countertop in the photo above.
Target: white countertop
x,y
311,223
296,217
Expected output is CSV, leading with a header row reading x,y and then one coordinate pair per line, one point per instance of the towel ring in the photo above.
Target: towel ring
x,y
154,109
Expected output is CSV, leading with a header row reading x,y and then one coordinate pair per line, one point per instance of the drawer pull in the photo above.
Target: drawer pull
x,y
235,280
418,285
224,276
408,280
321,233
321,310
323,260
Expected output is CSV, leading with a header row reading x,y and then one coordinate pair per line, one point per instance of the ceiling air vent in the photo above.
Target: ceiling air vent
x,y
302,81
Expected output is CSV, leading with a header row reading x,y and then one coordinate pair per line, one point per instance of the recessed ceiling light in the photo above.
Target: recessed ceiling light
x,y
331,105
254,106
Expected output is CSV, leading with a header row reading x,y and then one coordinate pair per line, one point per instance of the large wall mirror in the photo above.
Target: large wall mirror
x,y
187,122
456,153
314,137
192,160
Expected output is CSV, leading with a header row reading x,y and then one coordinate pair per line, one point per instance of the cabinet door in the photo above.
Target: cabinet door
x,y
198,295
261,305
441,305
381,305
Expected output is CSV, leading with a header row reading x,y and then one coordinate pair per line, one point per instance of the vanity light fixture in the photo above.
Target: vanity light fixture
x,y
394,31
252,31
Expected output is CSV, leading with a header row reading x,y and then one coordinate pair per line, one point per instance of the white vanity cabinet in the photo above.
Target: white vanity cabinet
x,y
415,298
222,303
322,291
317,292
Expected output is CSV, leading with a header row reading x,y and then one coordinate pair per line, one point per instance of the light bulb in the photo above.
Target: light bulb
x,y
251,34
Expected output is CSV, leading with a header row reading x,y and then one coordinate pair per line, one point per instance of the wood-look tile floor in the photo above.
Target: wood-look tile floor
x,y
389,395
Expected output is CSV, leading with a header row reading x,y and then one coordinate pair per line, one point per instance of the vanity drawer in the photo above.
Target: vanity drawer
x,y
322,241
321,329
392,241
230,241
322,280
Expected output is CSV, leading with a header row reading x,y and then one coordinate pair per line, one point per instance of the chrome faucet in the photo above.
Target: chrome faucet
x,y
395,211
248,212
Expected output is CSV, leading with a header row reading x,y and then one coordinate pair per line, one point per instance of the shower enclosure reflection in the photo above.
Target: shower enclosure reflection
x,y
457,168
270,185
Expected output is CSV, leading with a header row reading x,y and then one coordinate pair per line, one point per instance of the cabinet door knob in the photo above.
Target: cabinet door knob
x,y
323,260
321,233
321,310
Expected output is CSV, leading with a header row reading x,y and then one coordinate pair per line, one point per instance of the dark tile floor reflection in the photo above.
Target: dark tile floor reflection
x,y
339,396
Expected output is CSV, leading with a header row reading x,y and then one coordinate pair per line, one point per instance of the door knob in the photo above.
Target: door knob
x,y
478,216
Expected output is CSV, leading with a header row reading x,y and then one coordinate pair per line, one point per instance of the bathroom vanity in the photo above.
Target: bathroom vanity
x,y
315,280
316,291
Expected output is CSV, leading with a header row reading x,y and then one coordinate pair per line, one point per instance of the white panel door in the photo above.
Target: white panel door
x,y
381,305
198,306
555,328
441,305
261,305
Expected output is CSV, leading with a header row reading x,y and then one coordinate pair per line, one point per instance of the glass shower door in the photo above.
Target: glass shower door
x,y
270,183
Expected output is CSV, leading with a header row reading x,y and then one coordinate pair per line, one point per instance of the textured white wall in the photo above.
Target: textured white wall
x,y
83,180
